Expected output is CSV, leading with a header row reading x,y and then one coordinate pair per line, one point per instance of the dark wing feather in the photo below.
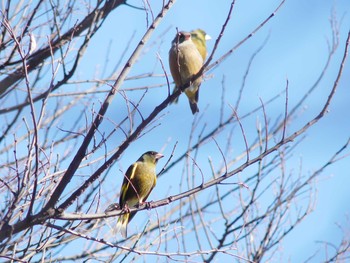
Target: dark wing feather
x,y
130,173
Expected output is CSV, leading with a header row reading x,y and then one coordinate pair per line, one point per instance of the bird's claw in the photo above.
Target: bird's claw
x,y
126,208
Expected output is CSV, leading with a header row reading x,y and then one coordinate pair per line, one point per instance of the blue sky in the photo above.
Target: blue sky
x,y
296,49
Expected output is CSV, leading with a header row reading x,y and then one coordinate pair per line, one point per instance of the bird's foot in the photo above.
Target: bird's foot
x,y
126,208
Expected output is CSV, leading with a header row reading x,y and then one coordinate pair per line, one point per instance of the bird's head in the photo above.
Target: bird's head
x,y
200,34
181,37
199,38
151,157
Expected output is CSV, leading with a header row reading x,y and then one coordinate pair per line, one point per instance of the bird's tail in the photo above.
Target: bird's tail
x,y
193,99
194,107
122,225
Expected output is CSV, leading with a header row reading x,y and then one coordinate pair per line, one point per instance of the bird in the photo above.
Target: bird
x,y
185,61
139,181
199,38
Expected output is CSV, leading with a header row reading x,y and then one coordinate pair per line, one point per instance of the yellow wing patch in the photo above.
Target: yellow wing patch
x,y
127,179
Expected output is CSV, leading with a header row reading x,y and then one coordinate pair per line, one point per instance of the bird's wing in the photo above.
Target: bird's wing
x,y
174,66
128,177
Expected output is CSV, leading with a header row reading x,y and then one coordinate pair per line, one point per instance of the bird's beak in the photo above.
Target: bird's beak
x,y
207,37
159,155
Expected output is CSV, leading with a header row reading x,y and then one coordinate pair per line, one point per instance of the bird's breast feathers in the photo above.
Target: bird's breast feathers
x,y
188,58
144,175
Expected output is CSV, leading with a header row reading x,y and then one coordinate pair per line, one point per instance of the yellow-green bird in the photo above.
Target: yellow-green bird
x,y
185,61
139,181
199,38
